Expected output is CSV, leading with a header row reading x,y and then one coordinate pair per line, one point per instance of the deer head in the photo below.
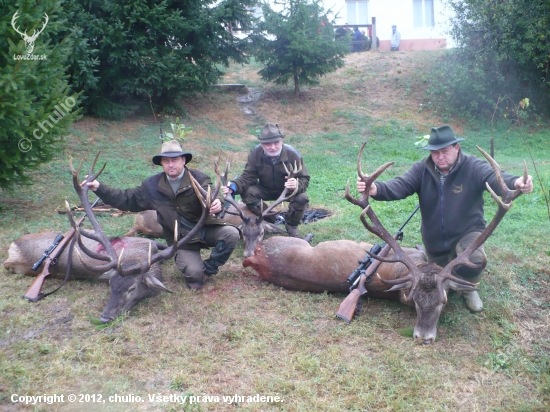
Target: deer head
x,y
254,227
32,38
114,260
426,285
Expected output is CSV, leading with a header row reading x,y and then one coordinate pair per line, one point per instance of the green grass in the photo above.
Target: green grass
x,y
241,336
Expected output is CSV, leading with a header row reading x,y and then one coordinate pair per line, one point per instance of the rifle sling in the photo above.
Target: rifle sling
x,y
69,263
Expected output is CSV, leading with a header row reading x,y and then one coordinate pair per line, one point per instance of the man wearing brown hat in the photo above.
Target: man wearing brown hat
x,y
450,186
264,177
170,193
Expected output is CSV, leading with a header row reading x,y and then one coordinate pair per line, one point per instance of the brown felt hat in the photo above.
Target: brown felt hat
x,y
441,137
270,134
171,149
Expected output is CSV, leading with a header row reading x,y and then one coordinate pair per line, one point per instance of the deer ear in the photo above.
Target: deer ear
x,y
108,275
154,283
457,286
400,286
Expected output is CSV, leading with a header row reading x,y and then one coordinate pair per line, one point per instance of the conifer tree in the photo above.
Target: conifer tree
x,y
36,105
297,43
158,48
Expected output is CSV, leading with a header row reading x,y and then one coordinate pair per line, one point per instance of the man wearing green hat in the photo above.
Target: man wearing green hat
x,y
450,186
264,177
170,193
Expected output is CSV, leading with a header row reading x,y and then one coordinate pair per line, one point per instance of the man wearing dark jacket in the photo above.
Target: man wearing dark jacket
x,y
264,177
450,186
170,193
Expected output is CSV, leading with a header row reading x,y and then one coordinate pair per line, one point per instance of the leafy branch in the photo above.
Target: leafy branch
x,y
518,111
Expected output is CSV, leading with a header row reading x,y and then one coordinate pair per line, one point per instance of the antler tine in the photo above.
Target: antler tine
x,y
507,194
91,176
363,202
282,198
228,198
291,172
399,254
98,235
503,206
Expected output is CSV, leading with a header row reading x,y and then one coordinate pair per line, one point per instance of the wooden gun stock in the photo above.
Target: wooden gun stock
x,y
33,293
349,304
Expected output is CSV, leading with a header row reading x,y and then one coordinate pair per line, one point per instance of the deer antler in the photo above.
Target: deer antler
x,y
228,198
283,197
508,196
114,260
15,16
363,202
379,230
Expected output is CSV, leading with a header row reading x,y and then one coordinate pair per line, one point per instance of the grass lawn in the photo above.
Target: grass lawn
x,y
240,337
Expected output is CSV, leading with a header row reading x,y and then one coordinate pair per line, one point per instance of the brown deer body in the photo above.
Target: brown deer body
x,y
296,265
27,249
426,285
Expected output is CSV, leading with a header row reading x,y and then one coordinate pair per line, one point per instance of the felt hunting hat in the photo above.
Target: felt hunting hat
x,y
171,149
441,137
270,134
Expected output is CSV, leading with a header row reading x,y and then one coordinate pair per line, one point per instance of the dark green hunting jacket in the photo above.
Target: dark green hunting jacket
x,y
260,170
450,211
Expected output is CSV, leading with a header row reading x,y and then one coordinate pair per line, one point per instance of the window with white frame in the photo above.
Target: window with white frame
x,y
423,13
357,12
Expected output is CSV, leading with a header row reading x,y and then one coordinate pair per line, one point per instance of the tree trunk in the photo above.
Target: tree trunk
x,y
296,85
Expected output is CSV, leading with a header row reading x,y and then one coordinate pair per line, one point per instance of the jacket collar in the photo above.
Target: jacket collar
x,y
164,185
283,156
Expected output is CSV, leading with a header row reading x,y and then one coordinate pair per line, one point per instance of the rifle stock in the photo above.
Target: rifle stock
x,y
349,304
33,293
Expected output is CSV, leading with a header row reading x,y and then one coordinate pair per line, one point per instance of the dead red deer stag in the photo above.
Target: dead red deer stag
x,y
296,265
131,277
426,285
254,228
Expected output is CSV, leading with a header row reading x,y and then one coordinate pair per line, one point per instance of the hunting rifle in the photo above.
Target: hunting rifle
x,y
364,273
51,255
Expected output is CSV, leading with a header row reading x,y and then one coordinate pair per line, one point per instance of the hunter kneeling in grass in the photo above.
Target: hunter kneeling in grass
x,y
265,176
450,186
170,193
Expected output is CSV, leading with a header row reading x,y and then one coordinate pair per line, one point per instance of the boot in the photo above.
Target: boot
x,y
473,301
220,254
471,297
292,230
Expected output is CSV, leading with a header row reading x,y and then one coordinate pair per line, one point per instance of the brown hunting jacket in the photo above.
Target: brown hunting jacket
x,y
155,193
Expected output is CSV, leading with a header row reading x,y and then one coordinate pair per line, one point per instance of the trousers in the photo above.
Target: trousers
x,y
190,261
478,256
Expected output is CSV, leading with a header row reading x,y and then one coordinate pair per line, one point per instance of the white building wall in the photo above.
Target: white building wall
x,y
400,13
